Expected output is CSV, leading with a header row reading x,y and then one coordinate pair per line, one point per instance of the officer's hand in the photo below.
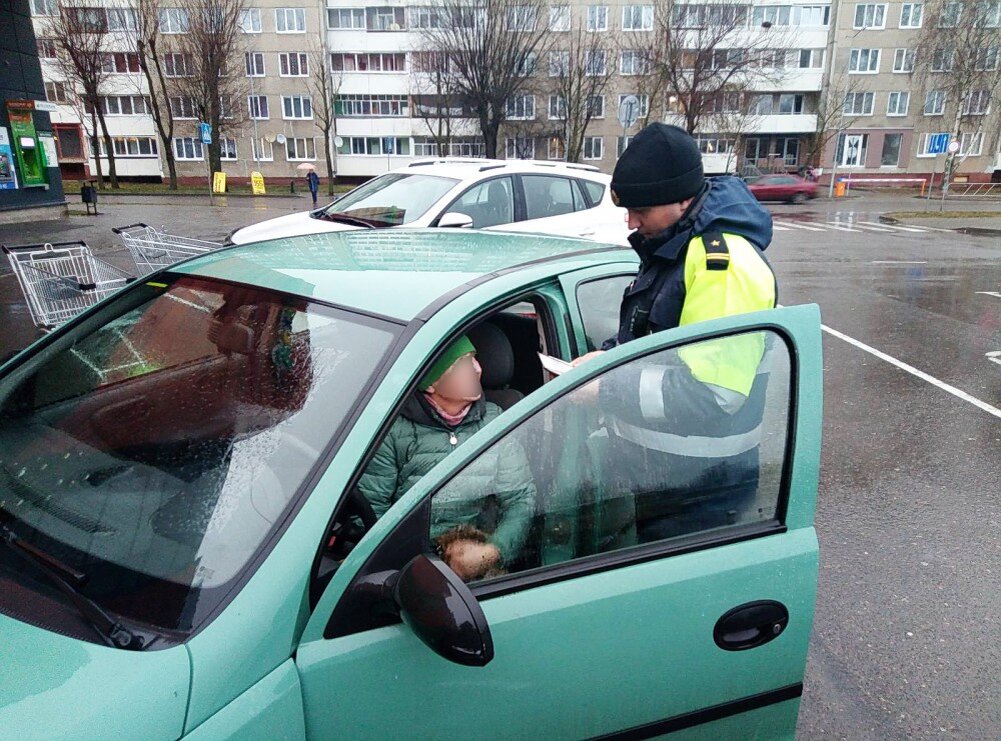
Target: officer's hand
x,y
584,358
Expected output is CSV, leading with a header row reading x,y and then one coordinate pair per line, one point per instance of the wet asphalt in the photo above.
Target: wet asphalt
x,y
907,635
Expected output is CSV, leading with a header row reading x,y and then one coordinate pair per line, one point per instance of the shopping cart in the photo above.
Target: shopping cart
x,y
152,249
61,279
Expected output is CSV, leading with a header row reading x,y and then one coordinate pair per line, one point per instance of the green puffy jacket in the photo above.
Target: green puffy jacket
x,y
494,493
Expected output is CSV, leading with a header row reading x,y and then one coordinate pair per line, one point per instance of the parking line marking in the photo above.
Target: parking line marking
x,y
892,226
899,262
778,228
840,228
915,372
789,225
995,294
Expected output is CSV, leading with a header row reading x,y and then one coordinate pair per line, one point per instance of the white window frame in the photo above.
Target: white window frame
x,y
965,140
943,59
590,69
952,21
901,56
173,57
637,18
197,150
981,96
293,142
556,148
873,16
261,150
65,87
939,96
523,105
871,57
226,143
173,21
639,63
513,144
285,64
593,148
909,10
522,18
44,8
254,16
305,101
250,64
893,100
597,18
185,110
866,97
355,16
254,105
557,107
284,15
559,18
559,63
125,19
597,111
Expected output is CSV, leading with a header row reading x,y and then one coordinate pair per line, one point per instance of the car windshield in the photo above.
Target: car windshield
x,y
392,199
158,445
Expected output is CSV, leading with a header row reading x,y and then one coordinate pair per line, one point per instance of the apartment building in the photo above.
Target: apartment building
x,y
890,113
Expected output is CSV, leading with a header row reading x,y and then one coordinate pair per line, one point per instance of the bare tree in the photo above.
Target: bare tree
x,y
580,75
702,52
149,45
434,95
832,118
323,84
211,54
82,54
488,46
958,62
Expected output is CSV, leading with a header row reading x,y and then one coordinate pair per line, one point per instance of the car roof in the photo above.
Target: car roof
x,y
393,272
474,169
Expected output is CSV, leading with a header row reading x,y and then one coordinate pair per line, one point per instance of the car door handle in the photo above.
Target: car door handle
x,y
750,625
586,234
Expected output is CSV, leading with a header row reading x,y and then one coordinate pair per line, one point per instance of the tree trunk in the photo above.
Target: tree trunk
x,y
489,129
112,171
95,146
330,159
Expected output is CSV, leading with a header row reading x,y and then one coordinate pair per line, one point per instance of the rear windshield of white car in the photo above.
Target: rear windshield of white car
x,y
392,199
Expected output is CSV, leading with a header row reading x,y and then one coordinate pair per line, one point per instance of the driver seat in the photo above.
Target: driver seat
x,y
496,357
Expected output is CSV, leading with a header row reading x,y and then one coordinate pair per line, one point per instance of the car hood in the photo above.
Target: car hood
x,y
56,686
291,225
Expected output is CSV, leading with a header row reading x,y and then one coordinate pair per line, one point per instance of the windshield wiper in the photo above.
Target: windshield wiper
x,y
344,218
113,632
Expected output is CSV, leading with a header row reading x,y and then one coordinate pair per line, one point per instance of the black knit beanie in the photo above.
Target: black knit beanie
x,y
661,165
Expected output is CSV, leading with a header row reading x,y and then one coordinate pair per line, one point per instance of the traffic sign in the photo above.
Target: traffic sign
x,y
953,146
629,110
938,143
205,132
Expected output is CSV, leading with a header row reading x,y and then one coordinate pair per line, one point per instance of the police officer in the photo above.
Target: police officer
x,y
685,434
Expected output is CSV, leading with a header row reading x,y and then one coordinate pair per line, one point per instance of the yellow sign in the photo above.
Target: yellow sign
x,y
218,182
257,183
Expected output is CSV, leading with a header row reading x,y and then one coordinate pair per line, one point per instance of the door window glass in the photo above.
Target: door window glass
x,y
488,204
599,302
682,442
547,196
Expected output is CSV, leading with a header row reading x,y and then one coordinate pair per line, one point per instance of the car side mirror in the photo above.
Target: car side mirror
x,y
454,219
439,608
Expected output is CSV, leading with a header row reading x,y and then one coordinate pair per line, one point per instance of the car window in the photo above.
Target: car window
x,y
392,199
547,196
595,191
599,302
488,204
156,445
664,448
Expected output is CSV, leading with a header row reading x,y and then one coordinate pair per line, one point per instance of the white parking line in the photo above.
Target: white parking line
x,y
778,228
915,372
899,262
995,294
840,228
892,226
789,225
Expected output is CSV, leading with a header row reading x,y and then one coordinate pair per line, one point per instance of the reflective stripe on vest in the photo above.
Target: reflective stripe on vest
x,y
690,446
740,284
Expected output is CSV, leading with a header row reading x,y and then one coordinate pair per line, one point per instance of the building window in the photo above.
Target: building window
x,y
173,20
300,149
903,60
942,59
250,20
790,104
644,100
254,63
178,65
519,148
57,92
372,105
864,61
761,105
120,63
521,18
188,148
858,104
556,148
594,147
290,20
897,102
891,150
637,17
595,63
596,106
46,49
130,146
227,148
621,143
971,144
559,63
346,19
365,62
183,106
257,106
634,62
123,105
852,149
297,106
385,19
121,19
714,144
455,147
44,7
934,103
559,18
949,14
986,60
293,64
527,64
977,103
383,146
520,108
811,58
870,15
597,18
261,150
789,15
557,108
910,15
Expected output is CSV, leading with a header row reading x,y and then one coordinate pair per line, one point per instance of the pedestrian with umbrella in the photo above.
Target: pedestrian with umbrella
x,y
312,180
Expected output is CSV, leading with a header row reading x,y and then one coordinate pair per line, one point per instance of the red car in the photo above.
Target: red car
x,y
790,188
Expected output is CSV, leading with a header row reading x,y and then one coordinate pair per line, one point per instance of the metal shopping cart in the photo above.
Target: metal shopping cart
x,y
61,279
152,249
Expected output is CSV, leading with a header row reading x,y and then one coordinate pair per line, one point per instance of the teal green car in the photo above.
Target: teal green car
x,y
184,551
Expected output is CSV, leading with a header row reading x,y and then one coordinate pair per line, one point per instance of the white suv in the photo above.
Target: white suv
x,y
507,195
